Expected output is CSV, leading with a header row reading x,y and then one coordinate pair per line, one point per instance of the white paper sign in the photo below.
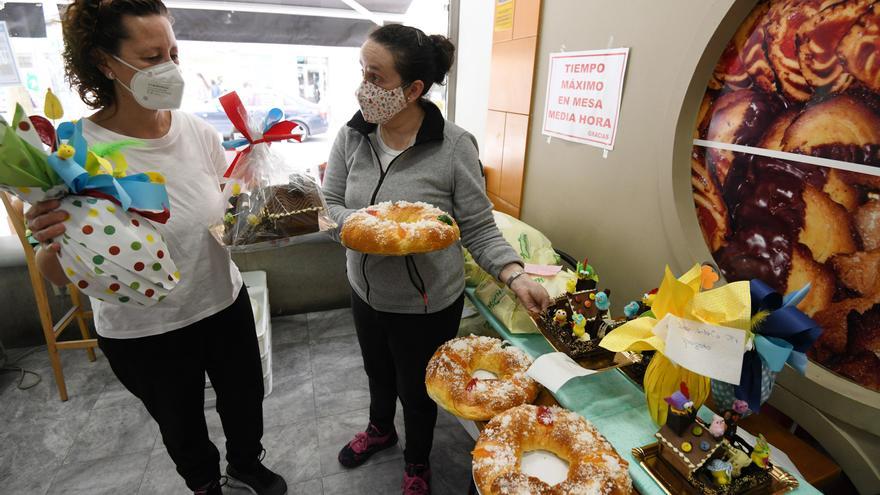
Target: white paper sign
x,y
554,369
8,70
709,350
584,91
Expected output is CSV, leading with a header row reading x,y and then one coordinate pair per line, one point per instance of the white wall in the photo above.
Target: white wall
x,y
474,51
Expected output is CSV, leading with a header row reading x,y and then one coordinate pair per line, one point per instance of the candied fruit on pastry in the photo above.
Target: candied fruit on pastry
x,y
858,49
818,39
867,223
827,229
859,271
738,117
840,128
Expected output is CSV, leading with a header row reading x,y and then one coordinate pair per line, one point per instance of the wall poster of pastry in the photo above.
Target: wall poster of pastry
x,y
786,167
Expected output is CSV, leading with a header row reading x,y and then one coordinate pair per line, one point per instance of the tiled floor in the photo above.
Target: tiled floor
x,y
102,441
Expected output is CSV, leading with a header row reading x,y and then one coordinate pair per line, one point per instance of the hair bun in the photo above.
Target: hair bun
x,y
445,55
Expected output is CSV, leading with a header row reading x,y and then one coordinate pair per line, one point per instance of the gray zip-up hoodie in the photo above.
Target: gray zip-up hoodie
x,y
442,168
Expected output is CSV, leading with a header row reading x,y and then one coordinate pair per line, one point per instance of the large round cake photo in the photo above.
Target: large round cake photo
x,y
785,168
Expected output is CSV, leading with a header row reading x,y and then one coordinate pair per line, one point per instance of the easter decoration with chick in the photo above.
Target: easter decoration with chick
x,y
724,340
578,318
111,251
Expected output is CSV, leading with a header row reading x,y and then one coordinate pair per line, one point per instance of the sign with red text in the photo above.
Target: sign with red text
x,y
584,90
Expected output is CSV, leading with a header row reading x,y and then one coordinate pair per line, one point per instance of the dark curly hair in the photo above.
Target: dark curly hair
x,y
93,25
417,56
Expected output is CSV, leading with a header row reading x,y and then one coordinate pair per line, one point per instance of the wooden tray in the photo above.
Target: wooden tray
x,y
673,483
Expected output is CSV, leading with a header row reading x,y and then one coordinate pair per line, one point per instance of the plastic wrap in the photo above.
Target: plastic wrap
x,y
267,202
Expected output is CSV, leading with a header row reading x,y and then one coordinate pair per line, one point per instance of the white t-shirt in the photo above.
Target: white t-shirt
x,y
192,161
386,153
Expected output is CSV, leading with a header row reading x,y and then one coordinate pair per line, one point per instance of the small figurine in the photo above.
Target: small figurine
x,y
586,276
708,276
737,458
560,317
648,297
602,301
66,152
721,471
585,271
631,310
761,453
571,286
681,410
579,327
732,416
718,426
680,400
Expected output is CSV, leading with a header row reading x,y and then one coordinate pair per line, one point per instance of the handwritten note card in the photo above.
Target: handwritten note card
x,y
713,351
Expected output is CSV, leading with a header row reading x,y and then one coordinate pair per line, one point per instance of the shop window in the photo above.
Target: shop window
x,y
305,66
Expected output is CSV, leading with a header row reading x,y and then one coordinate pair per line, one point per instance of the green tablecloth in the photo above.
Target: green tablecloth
x,y
613,403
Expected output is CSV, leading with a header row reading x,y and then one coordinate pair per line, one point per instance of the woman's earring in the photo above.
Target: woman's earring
x,y
111,76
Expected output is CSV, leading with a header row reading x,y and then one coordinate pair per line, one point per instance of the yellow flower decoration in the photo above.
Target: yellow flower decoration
x,y
708,277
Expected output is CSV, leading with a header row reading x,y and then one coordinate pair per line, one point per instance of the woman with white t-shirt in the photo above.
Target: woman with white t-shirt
x,y
121,56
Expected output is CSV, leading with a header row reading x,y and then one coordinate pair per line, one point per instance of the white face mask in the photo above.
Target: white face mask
x,y
159,87
379,105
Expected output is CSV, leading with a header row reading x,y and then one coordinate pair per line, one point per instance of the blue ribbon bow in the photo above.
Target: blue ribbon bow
x,y
783,337
131,192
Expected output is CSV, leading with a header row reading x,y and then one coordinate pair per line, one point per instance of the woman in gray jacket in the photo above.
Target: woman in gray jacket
x,y
399,147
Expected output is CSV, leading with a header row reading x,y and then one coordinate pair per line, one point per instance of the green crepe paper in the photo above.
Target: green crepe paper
x,y
109,149
22,165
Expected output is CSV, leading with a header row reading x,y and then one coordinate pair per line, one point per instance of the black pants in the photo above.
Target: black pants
x,y
396,349
167,373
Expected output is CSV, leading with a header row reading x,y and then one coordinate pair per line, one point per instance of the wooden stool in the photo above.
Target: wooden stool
x,y
51,329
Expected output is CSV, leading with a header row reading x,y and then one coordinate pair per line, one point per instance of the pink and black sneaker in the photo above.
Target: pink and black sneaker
x,y
365,444
416,480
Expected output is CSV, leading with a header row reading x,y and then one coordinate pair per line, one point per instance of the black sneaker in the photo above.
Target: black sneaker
x,y
365,444
258,479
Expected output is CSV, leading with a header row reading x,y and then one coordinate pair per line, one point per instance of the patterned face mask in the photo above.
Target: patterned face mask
x,y
379,105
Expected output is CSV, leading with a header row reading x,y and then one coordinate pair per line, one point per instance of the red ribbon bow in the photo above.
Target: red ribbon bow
x,y
281,130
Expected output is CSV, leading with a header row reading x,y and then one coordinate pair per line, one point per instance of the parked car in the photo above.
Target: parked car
x,y
311,117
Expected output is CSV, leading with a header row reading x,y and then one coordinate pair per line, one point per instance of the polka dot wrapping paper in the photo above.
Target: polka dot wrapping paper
x,y
113,255
109,249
